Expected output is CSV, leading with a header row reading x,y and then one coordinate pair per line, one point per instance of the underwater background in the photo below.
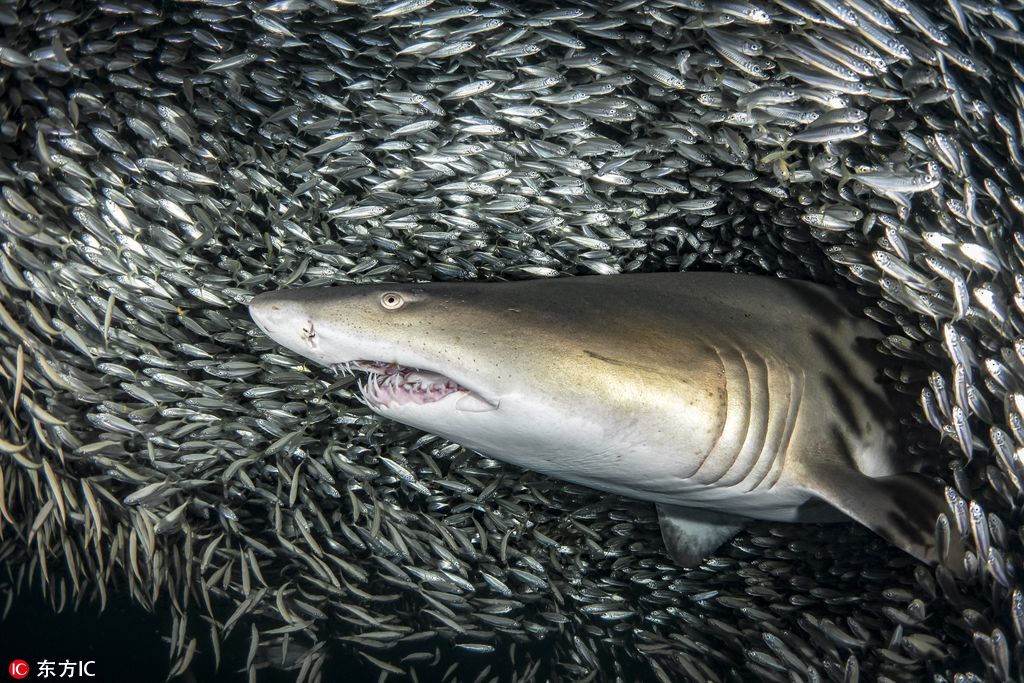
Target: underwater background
x,y
224,503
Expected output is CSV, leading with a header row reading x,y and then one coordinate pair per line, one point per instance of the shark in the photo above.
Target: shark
x,y
721,398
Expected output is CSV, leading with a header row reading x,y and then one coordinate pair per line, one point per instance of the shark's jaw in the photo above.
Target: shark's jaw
x,y
393,386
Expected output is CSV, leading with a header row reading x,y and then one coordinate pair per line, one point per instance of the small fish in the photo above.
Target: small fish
x,y
470,89
818,133
889,181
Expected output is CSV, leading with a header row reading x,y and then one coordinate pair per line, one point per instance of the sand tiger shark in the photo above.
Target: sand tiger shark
x,y
718,397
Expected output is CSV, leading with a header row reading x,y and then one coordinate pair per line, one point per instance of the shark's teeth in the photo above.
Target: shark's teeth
x,y
361,397
389,383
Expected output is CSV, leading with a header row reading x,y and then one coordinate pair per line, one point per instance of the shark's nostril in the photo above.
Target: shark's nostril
x,y
309,334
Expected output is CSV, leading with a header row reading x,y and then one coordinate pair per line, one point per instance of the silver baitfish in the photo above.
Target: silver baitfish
x,y
161,164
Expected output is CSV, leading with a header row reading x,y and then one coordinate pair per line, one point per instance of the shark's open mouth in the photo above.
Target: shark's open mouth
x,y
389,384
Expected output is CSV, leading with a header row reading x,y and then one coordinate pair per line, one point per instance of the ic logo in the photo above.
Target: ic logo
x,y
18,669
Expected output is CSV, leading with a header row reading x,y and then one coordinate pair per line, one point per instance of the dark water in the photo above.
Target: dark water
x,y
128,644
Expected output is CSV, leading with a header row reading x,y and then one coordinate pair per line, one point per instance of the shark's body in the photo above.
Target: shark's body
x,y
718,397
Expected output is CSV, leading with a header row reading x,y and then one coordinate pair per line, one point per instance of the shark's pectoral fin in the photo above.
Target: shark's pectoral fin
x,y
902,508
691,534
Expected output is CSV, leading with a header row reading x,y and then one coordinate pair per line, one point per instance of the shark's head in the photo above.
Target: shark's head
x,y
545,377
409,340
451,359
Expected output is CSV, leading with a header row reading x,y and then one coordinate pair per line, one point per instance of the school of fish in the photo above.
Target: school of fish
x,y
163,163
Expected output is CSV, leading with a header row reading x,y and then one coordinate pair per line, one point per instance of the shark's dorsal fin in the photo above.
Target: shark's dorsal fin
x,y
692,534
901,508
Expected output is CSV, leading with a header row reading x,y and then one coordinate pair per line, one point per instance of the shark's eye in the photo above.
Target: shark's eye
x,y
391,300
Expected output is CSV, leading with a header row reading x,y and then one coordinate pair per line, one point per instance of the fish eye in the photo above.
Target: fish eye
x,y
391,300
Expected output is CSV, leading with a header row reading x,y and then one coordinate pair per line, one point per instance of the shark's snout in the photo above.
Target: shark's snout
x,y
263,309
282,320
